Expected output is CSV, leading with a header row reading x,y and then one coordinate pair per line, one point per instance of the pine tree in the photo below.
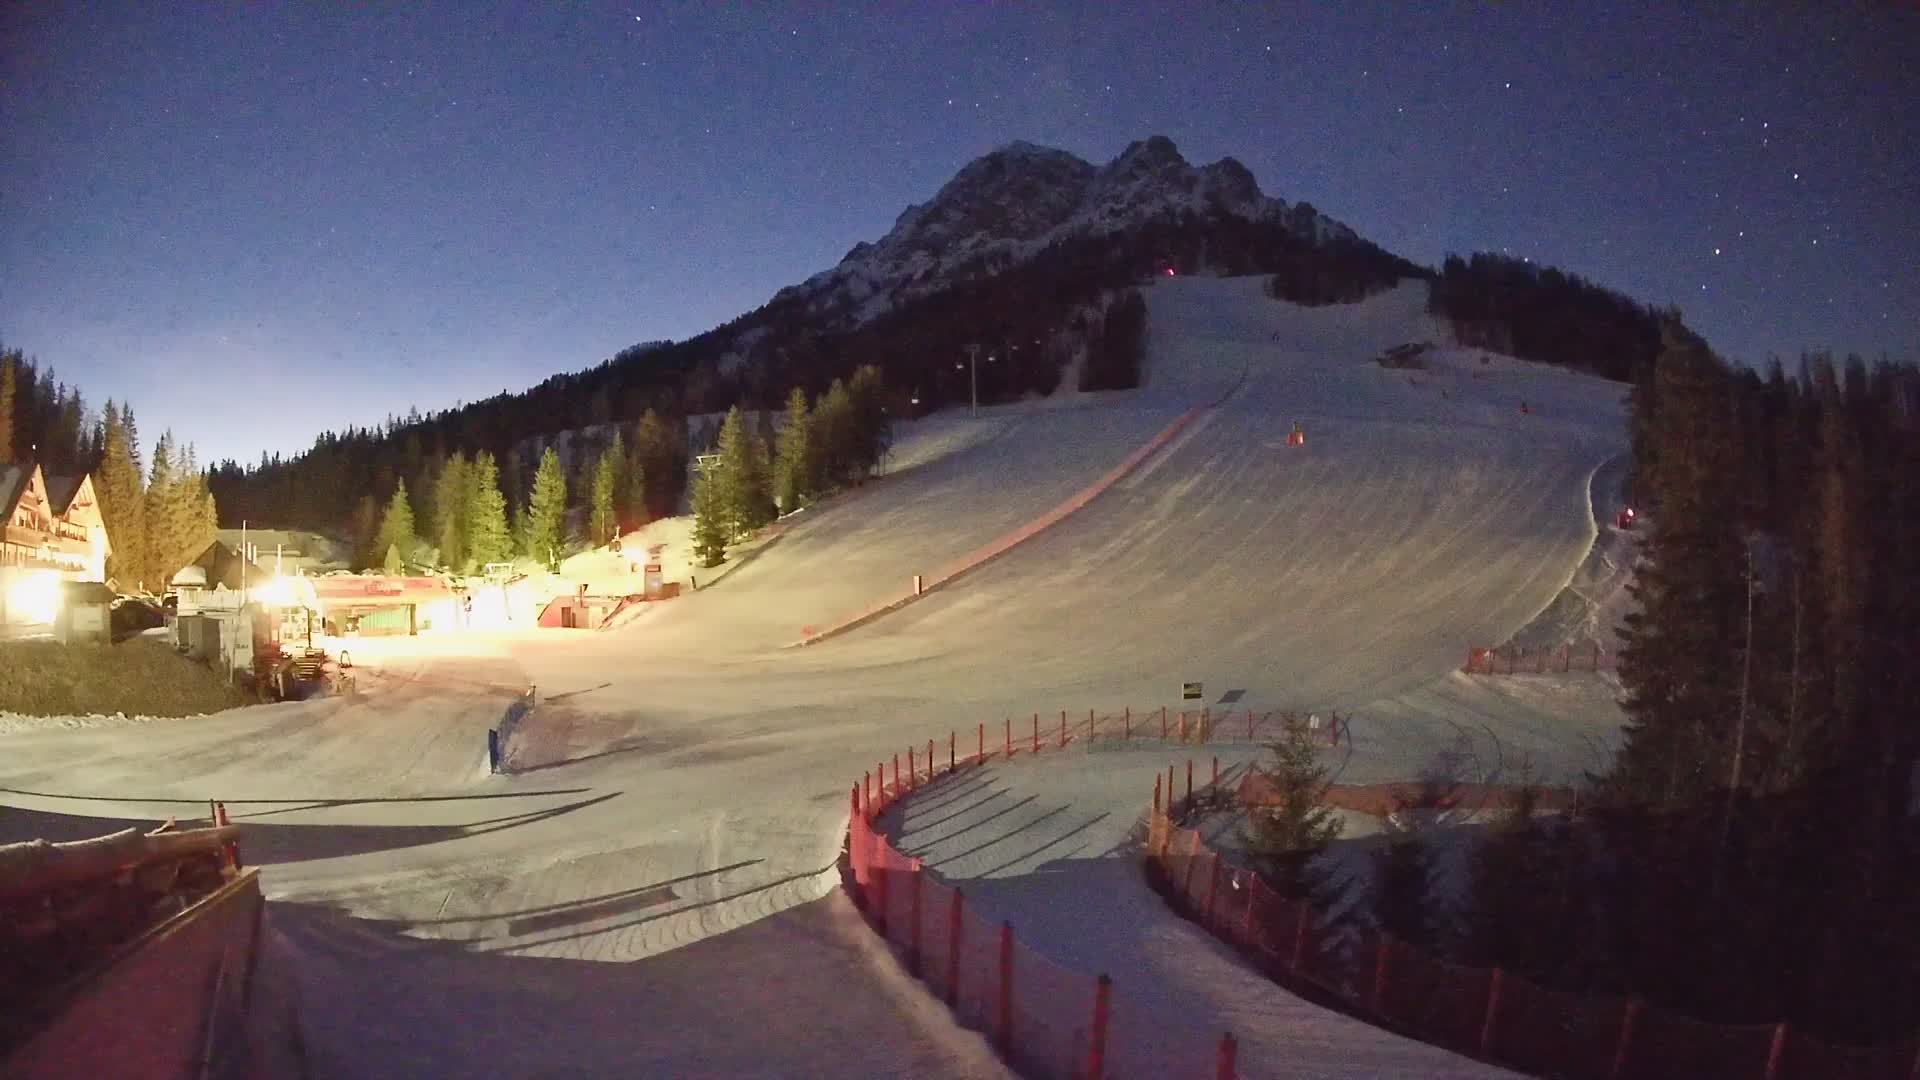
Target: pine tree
x,y
7,390
793,456
656,465
711,525
604,521
546,520
1403,884
452,502
488,538
1283,836
623,513
396,539
832,437
871,435
161,512
742,483
365,525
117,484
1679,662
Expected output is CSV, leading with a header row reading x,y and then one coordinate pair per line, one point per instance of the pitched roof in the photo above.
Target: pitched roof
x,y
61,490
13,484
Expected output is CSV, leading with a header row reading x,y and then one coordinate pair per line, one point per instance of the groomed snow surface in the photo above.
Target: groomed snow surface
x,y
657,897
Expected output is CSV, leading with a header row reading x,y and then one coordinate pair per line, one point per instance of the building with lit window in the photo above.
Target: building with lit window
x,y
50,531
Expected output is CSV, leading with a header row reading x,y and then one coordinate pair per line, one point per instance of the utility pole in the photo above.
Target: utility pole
x,y
973,377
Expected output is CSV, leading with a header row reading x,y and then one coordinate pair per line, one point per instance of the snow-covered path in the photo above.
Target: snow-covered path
x,y
699,768
1050,844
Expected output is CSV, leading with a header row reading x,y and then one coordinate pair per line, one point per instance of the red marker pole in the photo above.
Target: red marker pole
x,y
1036,733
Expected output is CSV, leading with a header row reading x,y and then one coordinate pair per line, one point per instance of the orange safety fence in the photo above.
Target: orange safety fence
x,y
1484,1012
1539,659
1043,1018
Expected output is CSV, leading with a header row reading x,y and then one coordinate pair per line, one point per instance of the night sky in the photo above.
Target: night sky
x,y
259,221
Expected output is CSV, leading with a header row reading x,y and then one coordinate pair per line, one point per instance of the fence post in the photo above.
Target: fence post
x,y
1006,990
866,786
913,923
1189,783
1169,790
1097,1046
953,948
1381,954
1156,794
879,784
1126,725
1216,770
930,761
1775,1051
1009,738
1247,928
1090,726
1623,1048
1036,733
913,773
897,789
1224,1064
1163,723
1493,1013
877,870
1206,723
980,756
1213,888
953,741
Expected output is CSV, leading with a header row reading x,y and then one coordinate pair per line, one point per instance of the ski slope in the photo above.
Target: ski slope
x,y
695,769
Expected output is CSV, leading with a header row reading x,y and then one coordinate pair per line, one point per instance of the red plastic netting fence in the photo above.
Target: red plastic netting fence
x,y
1484,1012
1043,1018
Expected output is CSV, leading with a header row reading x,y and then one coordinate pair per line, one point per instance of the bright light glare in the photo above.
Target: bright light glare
x,y
36,596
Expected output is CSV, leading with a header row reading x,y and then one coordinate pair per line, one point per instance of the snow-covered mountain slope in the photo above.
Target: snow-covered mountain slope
x,y
1010,204
447,919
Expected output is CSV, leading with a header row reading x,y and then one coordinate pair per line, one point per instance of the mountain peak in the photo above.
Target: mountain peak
x,y
1009,204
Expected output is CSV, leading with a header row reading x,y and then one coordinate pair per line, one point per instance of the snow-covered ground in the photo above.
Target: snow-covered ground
x,y
1051,844
438,914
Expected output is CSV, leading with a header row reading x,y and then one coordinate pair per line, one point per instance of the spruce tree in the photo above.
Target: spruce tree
x,y
1680,661
161,512
488,538
742,483
118,486
871,435
604,521
653,460
1283,836
396,535
546,520
832,436
1403,882
452,502
793,456
711,525
7,391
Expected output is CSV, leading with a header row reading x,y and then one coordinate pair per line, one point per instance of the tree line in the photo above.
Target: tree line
x,y
43,419
157,519
752,478
461,513
1544,314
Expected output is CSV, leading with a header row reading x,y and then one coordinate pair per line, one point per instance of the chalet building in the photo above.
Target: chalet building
x,y
50,530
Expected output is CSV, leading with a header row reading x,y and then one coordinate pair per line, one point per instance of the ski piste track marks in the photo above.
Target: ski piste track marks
x,y
1350,573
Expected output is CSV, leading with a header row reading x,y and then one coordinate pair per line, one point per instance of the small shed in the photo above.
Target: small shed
x,y
85,614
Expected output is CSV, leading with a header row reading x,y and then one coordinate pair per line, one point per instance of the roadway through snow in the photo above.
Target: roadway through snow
x,y
675,843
